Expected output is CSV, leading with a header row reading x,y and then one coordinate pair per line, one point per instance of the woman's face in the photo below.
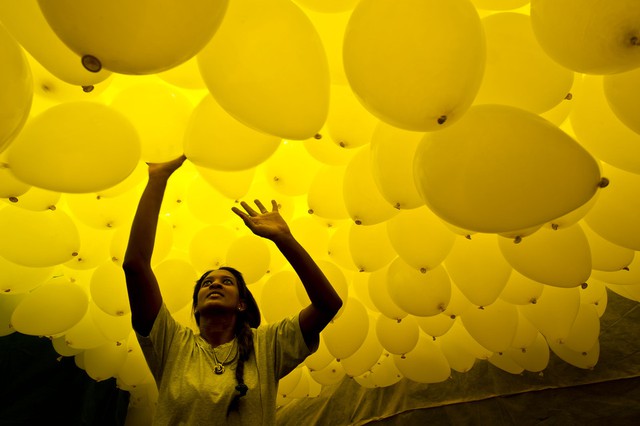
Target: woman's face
x,y
219,291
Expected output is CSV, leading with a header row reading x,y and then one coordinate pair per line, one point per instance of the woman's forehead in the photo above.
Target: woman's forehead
x,y
220,273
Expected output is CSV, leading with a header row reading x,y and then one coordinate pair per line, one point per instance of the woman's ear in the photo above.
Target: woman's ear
x,y
242,306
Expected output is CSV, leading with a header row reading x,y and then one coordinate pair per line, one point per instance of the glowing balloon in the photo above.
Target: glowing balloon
x,y
113,328
349,124
493,326
365,204
76,147
626,276
392,153
518,72
582,359
176,278
266,66
605,255
428,58
436,325
425,363
420,238
366,356
499,4
330,375
94,248
526,333
463,340
417,293
104,361
320,358
8,304
207,204
534,357
600,38
331,29
250,255
109,290
380,297
186,75
478,269
362,239
36,199
346,334
325,196
475,177
131,37
622,94
160,114
328,6
10,187
279,299
615,216
457,356
559,258
599,130
16,278
521,290
16,89
24,19
397,336
585,330
37,239
209,245
52,308
233,185
554,313
503,361
216,140
103,213
291,169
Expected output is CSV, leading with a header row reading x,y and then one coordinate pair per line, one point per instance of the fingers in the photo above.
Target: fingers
x,y
274,205
260,206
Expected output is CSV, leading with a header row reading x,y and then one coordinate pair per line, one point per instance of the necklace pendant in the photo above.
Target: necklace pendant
x,y
218,369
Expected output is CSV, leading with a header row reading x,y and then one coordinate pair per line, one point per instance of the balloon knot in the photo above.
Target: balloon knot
x,y
317,136
423,270
342,144
569,96
517,240
442,119
310,211
634,41
13,199
91,63
584,285
604,182
555,226
88,89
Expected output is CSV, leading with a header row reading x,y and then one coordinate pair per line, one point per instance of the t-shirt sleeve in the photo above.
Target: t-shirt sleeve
x,y
285,340
155,347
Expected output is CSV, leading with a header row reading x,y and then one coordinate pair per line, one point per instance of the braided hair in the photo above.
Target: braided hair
x,y
246,320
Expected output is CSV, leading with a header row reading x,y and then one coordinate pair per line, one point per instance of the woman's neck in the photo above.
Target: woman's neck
x,y
217,330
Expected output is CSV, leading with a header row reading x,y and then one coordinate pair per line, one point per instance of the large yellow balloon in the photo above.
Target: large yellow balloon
x,y
349,124
554,313
344,335
160,114
76,147
600,38
503,169
103,213
366,356
416,64
623,96
600,131
24,19
397,336
521,290
16,88
518,72
266,66
176,278
131,37
420,294
559,258
325,196
251,256
605,255
52,308
37,239
392,153
534,357
216,140
109,289
103,362
291,169
615,215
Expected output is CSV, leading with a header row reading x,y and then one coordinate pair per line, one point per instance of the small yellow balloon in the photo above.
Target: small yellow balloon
x,y
586,360
103,362
622,93
420,294
216,140
176,278
251,256
103,213
17,279
362,239
600,37
397,336
266,66
291,169
366,356
585,329
16,88
131,37
76,147
325,196
109,289
415,64
37,239
474,176
52,308
605,255
493,326
346,334
518,72
499,4
209,245
379,294
534,357
425,363
521,290
349,124
328,6
160,114
554,313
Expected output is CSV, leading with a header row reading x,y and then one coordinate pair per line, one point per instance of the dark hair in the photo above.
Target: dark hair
x,y
246,320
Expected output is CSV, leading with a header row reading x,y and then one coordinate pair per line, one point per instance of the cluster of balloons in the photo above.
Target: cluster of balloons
x,y
465,172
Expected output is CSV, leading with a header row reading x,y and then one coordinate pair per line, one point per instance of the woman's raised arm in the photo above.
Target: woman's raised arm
x,y
144,293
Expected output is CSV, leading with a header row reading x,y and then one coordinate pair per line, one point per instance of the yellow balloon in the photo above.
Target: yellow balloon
x,y
397,336
499,4
559,258
436,325
330,375
534,357
85,334
113,328
349,124
331,29
363,200
176,278
366,356
420,238
76,147
94,248
392,154
474,176
554,313
628,276
346,334
266,66
599,130
493,326
133,38
503,361
109,289
186,75
16,89
8,303
457,356
291,170
328,6
251,256
216,140
325,196
526,333
622,93
600,38
362,239
379,294
476,266
518,72
52,308
103,213
615,215
10,187
421,294
17,279
37,239
103,362
24,19
521,290
582,359
209,245
207,204
459,337
233,185
37,200
160,114
425,363
605,255
585,329
402,70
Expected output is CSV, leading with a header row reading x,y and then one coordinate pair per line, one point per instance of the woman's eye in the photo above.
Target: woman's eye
x,y
227,281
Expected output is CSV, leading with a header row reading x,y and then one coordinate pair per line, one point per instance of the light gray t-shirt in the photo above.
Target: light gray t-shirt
x,y
190,393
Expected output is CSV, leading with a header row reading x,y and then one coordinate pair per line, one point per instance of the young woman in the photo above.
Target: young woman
x,y
228,372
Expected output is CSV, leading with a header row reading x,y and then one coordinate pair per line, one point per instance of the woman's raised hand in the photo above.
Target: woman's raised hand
x,y
167,168
264,223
